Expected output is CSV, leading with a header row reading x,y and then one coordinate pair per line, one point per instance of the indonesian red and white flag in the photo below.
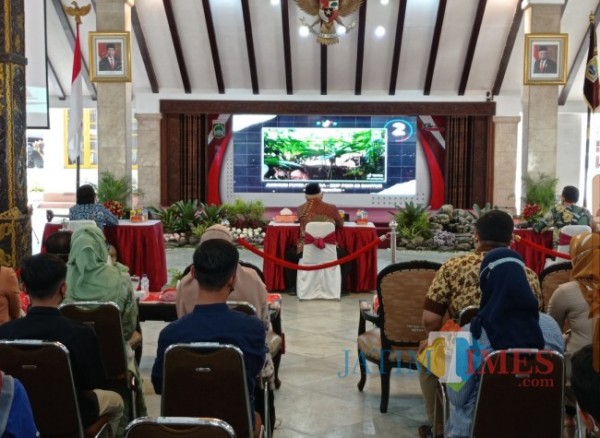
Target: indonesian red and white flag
x,y
76,108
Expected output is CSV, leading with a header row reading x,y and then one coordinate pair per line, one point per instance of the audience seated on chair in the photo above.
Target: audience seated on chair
x,y
59,244
319,248
508,317
87,208
91,278
248,287
44,279
215,266
566,213
456,286
585,381
313,210
16,418
10,303
572,302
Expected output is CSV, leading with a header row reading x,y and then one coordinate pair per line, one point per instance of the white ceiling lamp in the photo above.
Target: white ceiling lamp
x,y
379,31
341,30
304,32
385,2
275,2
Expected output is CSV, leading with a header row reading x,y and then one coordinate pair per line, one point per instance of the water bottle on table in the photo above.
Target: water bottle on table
x,y
144,287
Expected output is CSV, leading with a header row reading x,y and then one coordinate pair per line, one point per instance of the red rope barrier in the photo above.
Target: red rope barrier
x,y
289,265
541,248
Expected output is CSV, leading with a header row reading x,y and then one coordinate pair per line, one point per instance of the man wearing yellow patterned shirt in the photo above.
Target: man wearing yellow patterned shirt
x,y
456,286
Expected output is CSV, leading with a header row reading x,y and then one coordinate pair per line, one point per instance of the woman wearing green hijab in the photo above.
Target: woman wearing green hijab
x,y
91,278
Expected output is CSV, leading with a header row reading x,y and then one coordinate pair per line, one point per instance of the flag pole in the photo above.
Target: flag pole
x,y
76,98
591,94
587,155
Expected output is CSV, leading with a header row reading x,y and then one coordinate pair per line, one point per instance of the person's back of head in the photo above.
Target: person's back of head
x,y
585,382
86,194
312,191
495,227
59,244
570,194
43,275
215,263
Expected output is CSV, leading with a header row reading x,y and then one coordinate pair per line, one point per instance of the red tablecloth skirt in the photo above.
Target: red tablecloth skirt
x,y
533,258
141,247
362,278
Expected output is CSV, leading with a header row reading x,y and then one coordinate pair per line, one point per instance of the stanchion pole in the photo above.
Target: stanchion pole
x,y
393,225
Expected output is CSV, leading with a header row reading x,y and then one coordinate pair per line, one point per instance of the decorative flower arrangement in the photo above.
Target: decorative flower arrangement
x,y
256,236
532,213
115,207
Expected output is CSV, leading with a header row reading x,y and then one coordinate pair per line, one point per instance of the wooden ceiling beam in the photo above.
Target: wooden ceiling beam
x,y
214,50
472,45
508,48
435,42
143,46
360,49
397,46
177,46
287,51
250,46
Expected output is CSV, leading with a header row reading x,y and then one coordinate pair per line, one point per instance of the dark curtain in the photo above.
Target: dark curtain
x,y
469,161
183,147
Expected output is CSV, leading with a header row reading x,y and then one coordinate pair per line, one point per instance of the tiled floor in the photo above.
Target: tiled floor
x,y
318,398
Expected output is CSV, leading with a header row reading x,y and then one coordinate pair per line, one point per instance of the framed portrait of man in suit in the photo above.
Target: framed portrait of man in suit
x,y
110,57
545,59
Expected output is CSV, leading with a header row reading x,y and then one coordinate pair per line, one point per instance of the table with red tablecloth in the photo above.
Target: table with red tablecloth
x,y
351,237
533,258
140,246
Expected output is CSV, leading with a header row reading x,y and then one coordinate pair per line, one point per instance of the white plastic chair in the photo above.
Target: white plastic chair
x,y
570,231
322,283
77,224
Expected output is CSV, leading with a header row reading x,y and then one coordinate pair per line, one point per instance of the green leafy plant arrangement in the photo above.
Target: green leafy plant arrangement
x,y
188,215
479,211
210,215
168,216
242,214
540,190
413,221
111,188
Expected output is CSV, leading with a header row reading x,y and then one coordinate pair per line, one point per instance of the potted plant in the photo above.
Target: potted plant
x,y
540,190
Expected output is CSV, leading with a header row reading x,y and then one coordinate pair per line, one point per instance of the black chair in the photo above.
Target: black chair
x,y
401,289
180,427
44,369
105,319
466,315
256,268
520,394
208,379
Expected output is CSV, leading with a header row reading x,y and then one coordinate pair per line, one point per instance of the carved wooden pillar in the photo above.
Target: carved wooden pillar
x,y
15,221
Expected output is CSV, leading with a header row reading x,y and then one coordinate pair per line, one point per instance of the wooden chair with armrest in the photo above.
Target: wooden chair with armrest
x,y
105,319
394,341
552,277
179,427
44,369
208,379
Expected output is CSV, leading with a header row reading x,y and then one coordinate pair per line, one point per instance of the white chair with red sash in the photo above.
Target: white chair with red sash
x,y
564,239
319,248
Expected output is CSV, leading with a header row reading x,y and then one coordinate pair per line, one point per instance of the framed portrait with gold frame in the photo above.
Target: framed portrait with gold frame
x,y
110,57
545,59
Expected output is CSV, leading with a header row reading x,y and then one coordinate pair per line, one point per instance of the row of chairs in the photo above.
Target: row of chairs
x,y
204,379
215,371
397,332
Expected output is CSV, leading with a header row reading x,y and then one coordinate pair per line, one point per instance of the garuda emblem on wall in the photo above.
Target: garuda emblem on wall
x,y
328,12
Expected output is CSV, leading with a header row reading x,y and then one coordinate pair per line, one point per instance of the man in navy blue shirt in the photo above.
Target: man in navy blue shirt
x,y
214,267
